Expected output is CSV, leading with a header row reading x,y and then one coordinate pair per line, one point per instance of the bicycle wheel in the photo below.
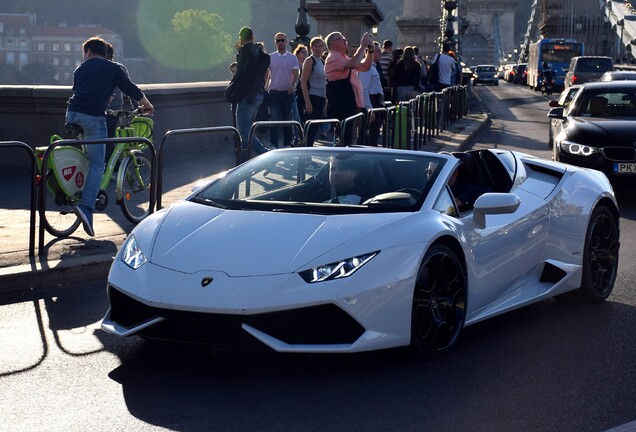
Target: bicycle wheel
x,y
135,187
59,219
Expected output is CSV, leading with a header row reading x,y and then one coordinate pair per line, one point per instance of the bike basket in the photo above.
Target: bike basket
x,y
142,127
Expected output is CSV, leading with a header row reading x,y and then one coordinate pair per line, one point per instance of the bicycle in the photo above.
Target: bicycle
x,y
67,167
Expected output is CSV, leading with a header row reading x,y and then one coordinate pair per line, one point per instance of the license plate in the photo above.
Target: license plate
x,y
625,168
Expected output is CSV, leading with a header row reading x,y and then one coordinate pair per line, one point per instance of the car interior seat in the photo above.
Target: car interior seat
x,y
468,168
597,106
496,174
472,172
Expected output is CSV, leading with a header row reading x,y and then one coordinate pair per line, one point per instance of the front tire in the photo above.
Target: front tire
x,y
439,303
135,187
600,257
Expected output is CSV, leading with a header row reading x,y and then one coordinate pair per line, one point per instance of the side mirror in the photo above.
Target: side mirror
x,y
556,113
554,104
494,203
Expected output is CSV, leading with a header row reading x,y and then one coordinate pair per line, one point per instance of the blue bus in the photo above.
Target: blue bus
x,y
557,53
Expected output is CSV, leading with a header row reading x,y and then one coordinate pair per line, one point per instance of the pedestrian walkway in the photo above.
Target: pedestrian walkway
x,y
82,258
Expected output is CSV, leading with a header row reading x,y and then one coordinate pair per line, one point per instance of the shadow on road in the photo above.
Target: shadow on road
x,y
513,369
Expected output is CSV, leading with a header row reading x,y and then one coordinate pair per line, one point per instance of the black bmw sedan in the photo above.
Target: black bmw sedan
x,y
598,130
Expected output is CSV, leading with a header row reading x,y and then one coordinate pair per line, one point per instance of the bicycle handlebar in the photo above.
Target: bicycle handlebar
x,y
125,113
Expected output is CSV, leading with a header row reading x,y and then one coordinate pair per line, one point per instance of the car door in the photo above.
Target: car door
x,y
504,255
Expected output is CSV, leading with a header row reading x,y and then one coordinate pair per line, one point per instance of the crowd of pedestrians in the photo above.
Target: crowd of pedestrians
x,y
332,78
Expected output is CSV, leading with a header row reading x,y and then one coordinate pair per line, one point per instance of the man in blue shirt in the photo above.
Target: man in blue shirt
x,y
93,83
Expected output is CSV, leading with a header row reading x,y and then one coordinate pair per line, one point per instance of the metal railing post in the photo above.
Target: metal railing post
x,y
259,124
333,121
32,210
376,111
191,131
348,120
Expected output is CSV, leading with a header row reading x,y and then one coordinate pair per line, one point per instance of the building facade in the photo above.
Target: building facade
x,y
23,42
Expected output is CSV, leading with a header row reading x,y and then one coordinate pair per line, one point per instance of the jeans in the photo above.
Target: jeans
x,y
280,108
245,115
94,128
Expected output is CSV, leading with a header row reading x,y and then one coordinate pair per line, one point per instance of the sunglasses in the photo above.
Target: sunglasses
x,y
280,40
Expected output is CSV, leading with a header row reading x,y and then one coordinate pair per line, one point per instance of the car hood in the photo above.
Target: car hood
x,y
612,132
195,237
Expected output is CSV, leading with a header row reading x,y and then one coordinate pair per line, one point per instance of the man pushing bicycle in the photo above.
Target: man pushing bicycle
x,y
93,83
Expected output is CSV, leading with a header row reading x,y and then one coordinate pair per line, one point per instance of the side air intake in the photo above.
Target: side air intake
x,y
551,274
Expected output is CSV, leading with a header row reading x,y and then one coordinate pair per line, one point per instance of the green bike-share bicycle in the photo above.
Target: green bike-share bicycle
x,y
67,168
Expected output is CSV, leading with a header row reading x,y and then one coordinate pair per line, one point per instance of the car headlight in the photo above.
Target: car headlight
x,y
132,254
578,149
337,270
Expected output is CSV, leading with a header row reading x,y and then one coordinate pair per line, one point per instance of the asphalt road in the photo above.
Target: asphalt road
x,y
554,366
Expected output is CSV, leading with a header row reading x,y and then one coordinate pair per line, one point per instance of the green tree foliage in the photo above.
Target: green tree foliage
x,y
196,41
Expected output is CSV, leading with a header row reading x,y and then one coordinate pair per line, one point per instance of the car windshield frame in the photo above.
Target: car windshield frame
x,y
297,180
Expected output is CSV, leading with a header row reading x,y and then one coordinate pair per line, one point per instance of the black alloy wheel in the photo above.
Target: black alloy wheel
x,y
439,303
600,258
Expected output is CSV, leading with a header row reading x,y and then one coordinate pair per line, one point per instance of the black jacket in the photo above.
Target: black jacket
x,y
252,64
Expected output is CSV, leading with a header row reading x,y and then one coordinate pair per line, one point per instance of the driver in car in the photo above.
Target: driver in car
x,y
342,181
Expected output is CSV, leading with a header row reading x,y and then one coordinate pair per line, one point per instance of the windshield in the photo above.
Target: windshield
x,y
327,181
603,103
486,69
596,65
560,52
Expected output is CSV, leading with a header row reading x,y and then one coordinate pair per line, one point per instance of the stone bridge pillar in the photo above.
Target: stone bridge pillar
x,y
478,42
420,25
350,17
